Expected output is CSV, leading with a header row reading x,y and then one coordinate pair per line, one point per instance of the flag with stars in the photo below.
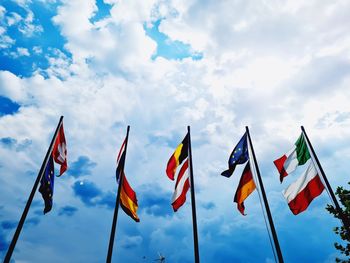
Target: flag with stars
x,y
46,185
239,155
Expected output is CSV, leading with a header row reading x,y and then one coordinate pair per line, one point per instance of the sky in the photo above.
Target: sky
x,y
158,66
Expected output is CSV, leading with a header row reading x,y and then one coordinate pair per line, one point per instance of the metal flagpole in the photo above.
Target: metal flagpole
x,y
343,218
116,208
267,208
193,200
31,196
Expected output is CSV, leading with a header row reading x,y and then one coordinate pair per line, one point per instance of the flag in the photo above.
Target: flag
x,y
59,151
245,187
179,157
128,199
180,154
46,185
298,155
59,155
239,155
300,194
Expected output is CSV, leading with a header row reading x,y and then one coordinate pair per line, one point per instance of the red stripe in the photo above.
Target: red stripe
x,y
171,167
182,172
313,189
246,177
128,190
121,150
279,163
182,198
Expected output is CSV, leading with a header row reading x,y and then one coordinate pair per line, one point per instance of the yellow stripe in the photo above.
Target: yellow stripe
x,y
128,203
245,191
176,155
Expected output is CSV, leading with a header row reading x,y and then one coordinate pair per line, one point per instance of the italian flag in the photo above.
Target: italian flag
x,y
301,193
298,155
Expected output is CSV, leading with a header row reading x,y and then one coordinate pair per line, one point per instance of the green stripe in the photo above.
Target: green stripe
x,y
303,153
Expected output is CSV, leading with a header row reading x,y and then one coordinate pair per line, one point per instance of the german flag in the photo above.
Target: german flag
x,y
128,200
180,154
245,187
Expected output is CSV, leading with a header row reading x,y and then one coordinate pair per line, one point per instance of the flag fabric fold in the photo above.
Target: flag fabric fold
x,y
239,155
128,199
182,185
179,155
296,156
245,187
59,151
300,194
47,185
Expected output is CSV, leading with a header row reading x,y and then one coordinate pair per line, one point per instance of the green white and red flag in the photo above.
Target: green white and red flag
x,y
298,155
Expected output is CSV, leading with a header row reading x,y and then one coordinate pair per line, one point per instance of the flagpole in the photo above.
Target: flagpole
x,y
267,208
31,196
193,201
343,218
117,201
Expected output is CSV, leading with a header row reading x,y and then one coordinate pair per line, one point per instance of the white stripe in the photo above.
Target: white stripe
x,y
292,160
299,185
315,163
180,186
251,163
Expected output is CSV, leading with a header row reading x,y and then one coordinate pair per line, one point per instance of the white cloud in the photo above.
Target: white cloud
x,y
2,11
5,40
13,19
270,65
28,27
37,50
21,51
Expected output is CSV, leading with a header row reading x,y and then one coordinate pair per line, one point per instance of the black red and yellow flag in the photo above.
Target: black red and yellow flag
x,y
245,187
128,199
179,158
180,154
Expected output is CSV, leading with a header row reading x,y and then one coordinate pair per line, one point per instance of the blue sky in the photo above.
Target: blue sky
x,y
158,66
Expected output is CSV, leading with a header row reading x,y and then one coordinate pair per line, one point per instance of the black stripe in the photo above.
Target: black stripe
x,y
184,150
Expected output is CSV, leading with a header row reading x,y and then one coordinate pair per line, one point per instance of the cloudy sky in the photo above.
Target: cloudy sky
x,y
158,66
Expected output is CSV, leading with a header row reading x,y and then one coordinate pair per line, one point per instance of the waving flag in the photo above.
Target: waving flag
x,y
46,185
59,151
128,199
298,155
180,156
245,187
308,186
239,155
59,155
